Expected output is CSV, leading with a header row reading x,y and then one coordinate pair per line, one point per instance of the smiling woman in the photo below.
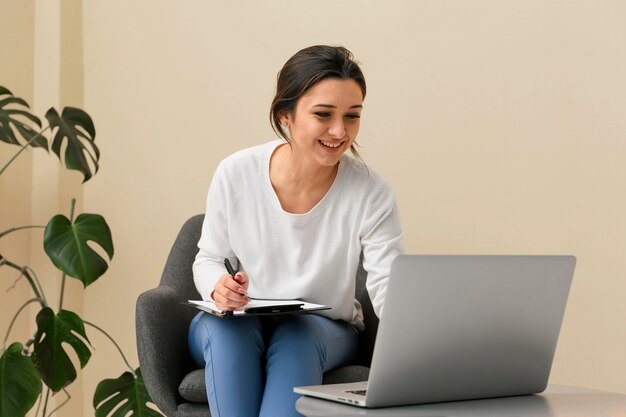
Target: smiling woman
x,y
304,70
294,215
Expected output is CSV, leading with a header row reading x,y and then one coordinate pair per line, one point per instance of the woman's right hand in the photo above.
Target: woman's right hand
x,y
231,293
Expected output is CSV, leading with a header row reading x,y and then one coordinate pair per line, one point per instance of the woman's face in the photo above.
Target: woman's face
x,y
326,120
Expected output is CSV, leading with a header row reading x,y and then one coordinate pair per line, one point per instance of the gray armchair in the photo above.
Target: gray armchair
x,y
173,380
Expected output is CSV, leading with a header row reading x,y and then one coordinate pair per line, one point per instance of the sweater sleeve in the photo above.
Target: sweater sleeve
x,y
381,242
214,244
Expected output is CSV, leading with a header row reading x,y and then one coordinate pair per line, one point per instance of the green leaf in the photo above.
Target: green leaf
x,y
128,391
54,365
77,127
66,245
20,384
12,127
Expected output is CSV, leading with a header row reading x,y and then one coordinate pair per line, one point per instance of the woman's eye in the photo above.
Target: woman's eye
x,y
324,115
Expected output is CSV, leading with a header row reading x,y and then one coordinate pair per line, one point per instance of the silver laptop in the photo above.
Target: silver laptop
x,y
462,327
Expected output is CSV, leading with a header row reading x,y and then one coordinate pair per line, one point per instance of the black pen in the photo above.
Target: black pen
x,y
232,273
230,270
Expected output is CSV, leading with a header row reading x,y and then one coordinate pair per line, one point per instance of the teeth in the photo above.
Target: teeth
x,y
330,145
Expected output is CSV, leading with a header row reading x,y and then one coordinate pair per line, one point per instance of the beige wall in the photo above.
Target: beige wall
x,y
16,74
499,124
40,65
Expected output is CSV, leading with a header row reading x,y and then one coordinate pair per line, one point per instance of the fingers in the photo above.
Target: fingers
x,y
230,294
242,278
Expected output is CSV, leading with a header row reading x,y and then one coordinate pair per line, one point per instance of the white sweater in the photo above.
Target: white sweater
x,y
313,256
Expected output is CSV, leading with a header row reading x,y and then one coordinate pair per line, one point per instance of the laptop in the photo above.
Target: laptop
x,y
460,328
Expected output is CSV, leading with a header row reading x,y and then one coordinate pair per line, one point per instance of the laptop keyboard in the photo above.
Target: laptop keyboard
x,y
357,392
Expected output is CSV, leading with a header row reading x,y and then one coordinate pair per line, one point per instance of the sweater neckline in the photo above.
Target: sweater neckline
x,y
271,193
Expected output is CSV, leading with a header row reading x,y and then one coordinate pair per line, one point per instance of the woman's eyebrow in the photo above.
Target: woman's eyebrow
x,y
330,106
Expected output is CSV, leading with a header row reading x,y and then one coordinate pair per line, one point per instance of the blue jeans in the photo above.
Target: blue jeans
x,y
253,363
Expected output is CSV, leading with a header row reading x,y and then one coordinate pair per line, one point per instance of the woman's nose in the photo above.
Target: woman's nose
x,y
337,129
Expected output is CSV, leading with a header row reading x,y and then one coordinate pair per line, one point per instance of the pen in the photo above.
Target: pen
x,y
230,270
232,273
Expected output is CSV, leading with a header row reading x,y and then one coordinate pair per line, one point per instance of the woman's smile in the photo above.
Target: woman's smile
x,y
331,146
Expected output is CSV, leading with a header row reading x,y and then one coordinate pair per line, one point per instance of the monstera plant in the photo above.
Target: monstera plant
x,y
32,370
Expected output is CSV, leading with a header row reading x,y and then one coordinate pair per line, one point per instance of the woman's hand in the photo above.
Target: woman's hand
x,y
231,293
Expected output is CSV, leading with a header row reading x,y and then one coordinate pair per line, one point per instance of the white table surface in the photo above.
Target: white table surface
x,y
555,401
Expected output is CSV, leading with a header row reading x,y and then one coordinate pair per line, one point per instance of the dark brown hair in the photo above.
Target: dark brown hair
x,y
305,69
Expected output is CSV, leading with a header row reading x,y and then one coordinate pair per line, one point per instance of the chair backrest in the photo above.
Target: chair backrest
x,y
179,275
367,337
178,272
162,322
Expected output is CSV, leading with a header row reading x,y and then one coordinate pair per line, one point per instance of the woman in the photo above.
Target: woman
x,y
293,217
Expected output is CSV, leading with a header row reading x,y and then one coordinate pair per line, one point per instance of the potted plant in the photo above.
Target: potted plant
x,y
42,360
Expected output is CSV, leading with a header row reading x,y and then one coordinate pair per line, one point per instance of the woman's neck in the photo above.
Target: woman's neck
x,y
299,184
288,169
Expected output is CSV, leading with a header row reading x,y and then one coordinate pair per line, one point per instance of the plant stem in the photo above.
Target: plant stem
x,y
24,271
62,291
39,404
22,149
32,300
62,404
45,404
30,342
28,268
72,206
14,229
112,341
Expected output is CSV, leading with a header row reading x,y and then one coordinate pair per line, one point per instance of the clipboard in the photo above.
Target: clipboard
x,y
258,307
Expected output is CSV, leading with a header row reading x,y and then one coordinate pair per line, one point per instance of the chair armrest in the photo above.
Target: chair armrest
x,y
162,324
